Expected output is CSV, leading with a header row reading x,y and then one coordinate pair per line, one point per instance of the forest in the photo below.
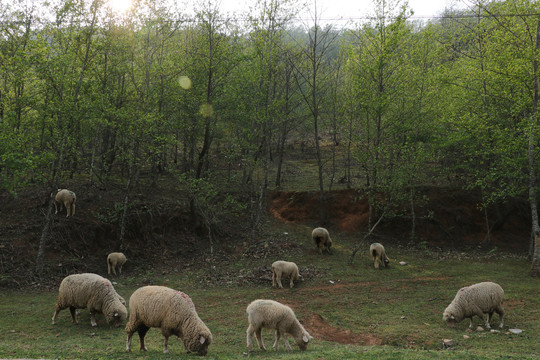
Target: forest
x,y
221,102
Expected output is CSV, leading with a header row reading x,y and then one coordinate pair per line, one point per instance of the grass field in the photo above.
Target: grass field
x,y
353,311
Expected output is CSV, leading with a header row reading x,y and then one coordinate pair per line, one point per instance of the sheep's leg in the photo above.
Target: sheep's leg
x,y
93,318
72,310
68,208
273,278
55,208
114,268
291,282
287,345
249,340
166,345
108,268
259,339
278,336
142,330
376,263
128,341
56,311
73,208
500,311
120,269
278,279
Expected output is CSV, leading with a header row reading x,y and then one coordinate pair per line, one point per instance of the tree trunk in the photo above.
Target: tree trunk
x,y
535,267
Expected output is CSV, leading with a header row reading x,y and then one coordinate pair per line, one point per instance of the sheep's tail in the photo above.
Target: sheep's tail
x,y
374,253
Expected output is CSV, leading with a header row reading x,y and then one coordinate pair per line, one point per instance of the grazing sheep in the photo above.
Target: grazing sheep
x,y
66,198
477,299
378,254
273,315
93,292
284,269
173,312
115,259
321,237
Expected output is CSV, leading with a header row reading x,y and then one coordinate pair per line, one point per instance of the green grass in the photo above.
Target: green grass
x,y
400,307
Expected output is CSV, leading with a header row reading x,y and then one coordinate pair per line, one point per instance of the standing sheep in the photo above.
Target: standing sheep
x,y
477,299
282,269
115,259
273,315
321,237
93,292
378,254
66,198
173,312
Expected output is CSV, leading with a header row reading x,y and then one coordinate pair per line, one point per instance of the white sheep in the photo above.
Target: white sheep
x,y
92,292
485,297
171,310
66,198
115,259
378,255
322,239
283,269
276,316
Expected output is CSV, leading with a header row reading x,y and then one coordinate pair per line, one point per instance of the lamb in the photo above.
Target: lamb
x,y
322,239
172,311
94,293
477,299
378,254
66,198
274,315
284,269
115,259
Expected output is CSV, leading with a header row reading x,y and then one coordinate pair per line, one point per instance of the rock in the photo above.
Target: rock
x,y
402,263
515,331
493,331
447,343
479,328
403,317
466,337
469,330
331,282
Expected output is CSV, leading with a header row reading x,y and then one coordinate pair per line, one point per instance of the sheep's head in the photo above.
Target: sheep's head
x,y
450,318
304,341
198,345
117,317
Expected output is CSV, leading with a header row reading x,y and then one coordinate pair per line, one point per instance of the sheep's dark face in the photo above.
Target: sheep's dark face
x,y
199,346
304,341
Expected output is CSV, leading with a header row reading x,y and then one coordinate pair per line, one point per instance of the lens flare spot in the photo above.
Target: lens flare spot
x,y
184,82
206,110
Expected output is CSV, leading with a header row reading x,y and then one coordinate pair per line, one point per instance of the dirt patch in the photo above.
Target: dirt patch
x,y
446,217
320,329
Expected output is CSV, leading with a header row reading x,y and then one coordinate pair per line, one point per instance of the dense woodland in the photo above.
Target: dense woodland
x,y
217,100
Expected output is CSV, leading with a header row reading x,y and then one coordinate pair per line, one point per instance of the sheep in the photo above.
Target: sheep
x,y
322,239
91,291
115,259
274,315
284,269
378,254
66,198
171,310
485,297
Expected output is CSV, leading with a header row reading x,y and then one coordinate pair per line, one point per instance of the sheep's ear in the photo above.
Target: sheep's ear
x,y
452,317
116,314
305,338
202,339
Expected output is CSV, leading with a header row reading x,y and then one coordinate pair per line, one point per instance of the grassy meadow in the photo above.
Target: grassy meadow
x,y
353,311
